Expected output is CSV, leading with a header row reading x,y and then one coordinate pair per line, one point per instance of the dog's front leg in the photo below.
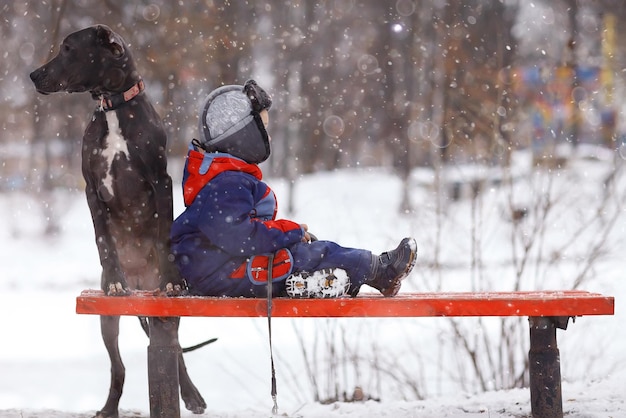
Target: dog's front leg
x,y
113,281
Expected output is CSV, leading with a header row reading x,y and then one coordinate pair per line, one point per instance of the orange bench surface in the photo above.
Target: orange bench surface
x,y
535,303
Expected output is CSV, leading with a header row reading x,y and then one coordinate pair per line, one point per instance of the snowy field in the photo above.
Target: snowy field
x,y
53,363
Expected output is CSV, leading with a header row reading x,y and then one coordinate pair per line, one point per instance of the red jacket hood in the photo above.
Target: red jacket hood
x,y
201,168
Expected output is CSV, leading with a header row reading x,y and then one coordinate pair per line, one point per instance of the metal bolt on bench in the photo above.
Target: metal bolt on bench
x,y
547,311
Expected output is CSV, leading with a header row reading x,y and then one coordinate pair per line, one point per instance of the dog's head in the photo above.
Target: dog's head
x,y
94,59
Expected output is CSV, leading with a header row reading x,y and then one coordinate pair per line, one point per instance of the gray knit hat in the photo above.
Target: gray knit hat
x,y
230,122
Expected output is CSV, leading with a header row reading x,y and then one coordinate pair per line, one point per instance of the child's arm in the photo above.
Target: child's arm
x,y
227,221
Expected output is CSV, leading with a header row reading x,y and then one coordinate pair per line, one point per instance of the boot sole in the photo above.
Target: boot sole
x,y
322,284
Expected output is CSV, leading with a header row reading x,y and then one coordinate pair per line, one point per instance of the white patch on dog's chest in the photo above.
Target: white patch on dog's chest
x,y
114,145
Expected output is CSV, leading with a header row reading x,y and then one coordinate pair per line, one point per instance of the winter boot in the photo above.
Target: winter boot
x,y
326,283
391,267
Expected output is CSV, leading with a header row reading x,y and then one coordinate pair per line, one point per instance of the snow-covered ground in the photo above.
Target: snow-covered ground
x,y
53,363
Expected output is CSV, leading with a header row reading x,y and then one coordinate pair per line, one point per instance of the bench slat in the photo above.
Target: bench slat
x,y
539,303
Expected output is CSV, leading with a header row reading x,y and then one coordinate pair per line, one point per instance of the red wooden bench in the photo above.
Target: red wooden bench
x,y
547,311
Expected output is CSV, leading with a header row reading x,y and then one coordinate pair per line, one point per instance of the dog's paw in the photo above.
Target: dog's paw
x,y
104,414
117,289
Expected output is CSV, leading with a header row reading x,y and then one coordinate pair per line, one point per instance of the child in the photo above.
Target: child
x,y
227,241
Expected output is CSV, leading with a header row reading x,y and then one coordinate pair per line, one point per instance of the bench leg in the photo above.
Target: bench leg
x,y
545,369
163,353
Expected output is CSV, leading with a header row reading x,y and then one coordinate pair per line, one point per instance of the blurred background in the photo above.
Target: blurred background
x,y
398,84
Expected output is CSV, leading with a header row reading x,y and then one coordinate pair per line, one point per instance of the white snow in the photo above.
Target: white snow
x,y
53,363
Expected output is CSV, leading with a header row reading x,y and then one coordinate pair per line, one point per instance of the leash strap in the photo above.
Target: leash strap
x,y
269,329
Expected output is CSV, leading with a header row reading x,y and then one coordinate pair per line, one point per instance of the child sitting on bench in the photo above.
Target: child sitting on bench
x,y
227,242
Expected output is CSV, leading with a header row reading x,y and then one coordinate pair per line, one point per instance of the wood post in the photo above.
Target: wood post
x,y
545,368
163,353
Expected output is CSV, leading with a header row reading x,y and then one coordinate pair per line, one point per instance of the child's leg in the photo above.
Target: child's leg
x,y
319,255
384,272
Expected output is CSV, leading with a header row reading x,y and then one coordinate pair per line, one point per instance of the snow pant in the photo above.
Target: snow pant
x,y
247,276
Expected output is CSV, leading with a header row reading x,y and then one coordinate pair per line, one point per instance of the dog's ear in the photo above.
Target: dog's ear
x,y
110,40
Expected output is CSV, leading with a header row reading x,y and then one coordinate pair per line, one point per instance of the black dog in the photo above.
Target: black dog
x,y
128,189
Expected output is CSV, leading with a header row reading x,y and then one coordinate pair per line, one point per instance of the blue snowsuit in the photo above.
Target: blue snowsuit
x,y
222,240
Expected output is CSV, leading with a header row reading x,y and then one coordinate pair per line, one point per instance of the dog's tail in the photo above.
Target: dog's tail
x,y
146,328
202,344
